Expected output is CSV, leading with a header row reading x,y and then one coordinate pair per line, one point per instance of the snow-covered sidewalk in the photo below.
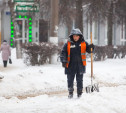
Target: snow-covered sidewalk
x,y
43,89
109,100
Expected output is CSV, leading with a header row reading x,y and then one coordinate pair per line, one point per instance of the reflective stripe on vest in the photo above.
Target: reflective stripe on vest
x,y
83,53
68,52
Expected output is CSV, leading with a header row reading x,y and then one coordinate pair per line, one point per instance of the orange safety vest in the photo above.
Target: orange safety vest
x,y
83,53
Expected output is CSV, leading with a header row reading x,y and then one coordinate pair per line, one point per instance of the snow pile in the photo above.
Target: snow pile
x,y
1,75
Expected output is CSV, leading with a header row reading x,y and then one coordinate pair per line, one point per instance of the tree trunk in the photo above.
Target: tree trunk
x,y
125,30
17,41
110,25
54,17
18,49
54,26
79,15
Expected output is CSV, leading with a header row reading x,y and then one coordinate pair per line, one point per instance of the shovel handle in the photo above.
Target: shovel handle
x,y
91,57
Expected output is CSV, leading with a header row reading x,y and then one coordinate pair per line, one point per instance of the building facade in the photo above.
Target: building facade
x,y
99,32
1,8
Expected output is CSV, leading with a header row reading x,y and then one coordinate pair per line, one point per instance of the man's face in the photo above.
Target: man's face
x,y
76,37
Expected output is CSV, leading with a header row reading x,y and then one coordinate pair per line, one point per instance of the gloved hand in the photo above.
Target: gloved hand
x,y
92,46
64,64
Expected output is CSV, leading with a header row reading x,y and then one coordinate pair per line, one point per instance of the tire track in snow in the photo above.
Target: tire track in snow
x,y
30,94
61,92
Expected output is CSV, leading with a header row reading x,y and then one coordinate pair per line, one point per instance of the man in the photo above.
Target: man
x,y
73,58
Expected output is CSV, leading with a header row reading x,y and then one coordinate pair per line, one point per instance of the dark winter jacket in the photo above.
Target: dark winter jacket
x,y
75,65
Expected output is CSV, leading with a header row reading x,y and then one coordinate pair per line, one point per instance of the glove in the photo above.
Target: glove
x,y
64,64
92,46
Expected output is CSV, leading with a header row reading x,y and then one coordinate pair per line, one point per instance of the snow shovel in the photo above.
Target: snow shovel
x,y
93,87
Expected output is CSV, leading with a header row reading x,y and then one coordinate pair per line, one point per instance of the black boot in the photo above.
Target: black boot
x,y
5,63
79,93
70,92
70,95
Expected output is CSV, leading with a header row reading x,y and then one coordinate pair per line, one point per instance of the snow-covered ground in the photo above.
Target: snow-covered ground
x,y
43,89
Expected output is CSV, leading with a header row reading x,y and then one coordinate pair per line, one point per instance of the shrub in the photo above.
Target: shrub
x,y
38,54
102,52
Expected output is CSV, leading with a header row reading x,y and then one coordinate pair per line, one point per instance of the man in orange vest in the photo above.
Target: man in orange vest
x,y
73,58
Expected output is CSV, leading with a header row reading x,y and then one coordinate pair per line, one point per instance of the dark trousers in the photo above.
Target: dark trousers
x,y
79,80
5,63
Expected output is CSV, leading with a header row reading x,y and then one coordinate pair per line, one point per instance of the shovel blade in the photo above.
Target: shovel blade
x,y
92,88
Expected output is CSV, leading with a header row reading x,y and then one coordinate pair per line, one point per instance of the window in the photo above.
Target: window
x,y
96,30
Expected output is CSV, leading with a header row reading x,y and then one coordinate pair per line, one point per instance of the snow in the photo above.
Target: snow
x,y
43,89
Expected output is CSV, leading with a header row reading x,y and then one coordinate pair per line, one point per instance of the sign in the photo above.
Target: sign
x,y
27,8
24,0
8,13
